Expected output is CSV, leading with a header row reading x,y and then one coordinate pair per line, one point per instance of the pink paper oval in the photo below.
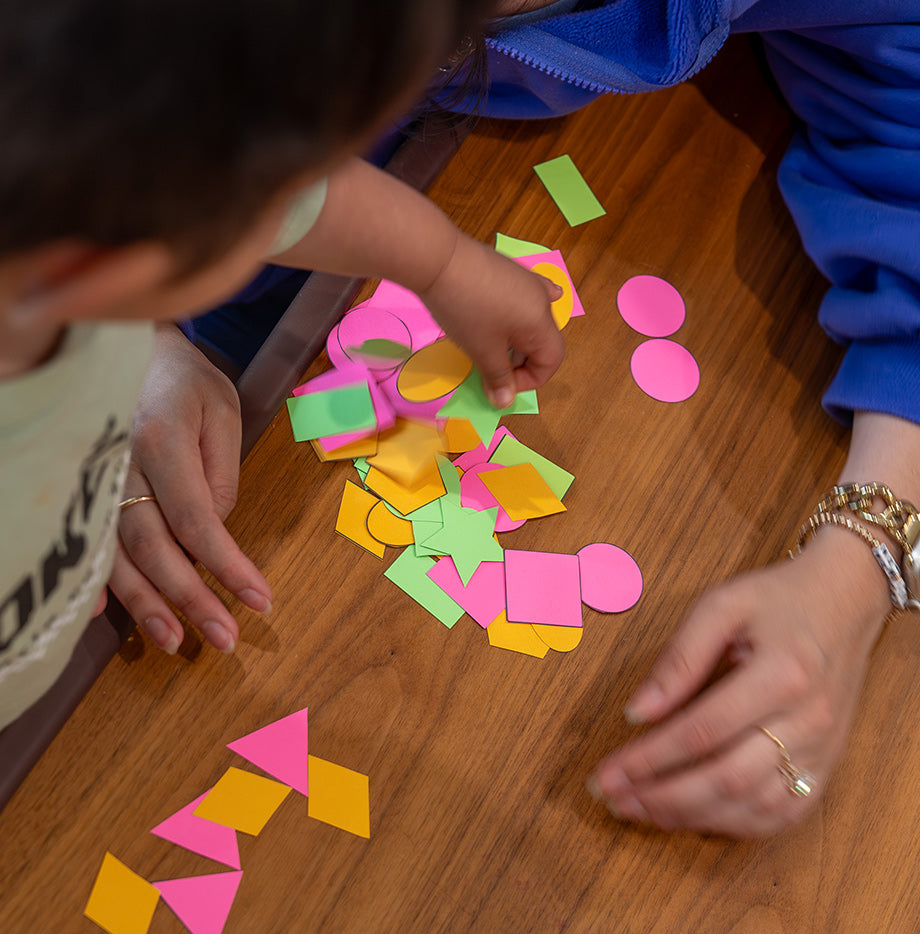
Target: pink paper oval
x,y
611,581
665,370
366,323
651,306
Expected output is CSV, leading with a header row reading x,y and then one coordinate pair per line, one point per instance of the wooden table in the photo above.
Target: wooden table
x,y
476,756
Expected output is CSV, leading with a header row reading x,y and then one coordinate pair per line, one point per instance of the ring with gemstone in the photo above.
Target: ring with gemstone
x,y
800,782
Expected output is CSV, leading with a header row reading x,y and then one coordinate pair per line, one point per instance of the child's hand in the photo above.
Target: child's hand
x,y
499,313
187,452
798,635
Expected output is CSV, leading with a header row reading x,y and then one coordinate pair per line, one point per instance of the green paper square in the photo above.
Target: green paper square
x,y
410,574
331,412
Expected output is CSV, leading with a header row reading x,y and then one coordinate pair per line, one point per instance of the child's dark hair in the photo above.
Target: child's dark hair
x,y
123,120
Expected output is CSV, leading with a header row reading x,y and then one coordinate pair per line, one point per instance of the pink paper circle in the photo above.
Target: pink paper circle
x,y
364,323
651,306
474,494
665,370
611,581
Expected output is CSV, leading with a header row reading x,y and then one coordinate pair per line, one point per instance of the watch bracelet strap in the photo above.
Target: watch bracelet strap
x,y
897,589
898,518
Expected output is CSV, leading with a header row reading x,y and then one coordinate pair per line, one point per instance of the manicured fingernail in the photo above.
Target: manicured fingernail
x,y
161,634
255,600
217,636
612,781
556,292
502,397
628,808
594,788
644,703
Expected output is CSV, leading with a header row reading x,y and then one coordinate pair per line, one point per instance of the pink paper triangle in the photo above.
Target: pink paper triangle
x,y
200,836
201,903
279,749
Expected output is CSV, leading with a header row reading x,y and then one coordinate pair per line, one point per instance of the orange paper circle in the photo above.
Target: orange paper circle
x,y
387,528
564,306
559,638
433,371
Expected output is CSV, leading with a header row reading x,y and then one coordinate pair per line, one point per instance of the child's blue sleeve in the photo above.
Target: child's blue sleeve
x,y
851,179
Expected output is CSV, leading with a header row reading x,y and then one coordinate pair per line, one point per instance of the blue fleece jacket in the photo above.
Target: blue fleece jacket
x,y
851,71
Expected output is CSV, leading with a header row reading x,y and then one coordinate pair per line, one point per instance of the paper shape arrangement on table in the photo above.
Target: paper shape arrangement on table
x,y
447,514
122,902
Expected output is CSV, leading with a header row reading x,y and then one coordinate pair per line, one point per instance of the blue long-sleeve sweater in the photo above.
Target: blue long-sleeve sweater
x,y
851,71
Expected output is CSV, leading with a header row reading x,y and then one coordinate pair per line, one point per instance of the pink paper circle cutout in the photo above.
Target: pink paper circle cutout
x,y
611,581
651,306
363,323
665,370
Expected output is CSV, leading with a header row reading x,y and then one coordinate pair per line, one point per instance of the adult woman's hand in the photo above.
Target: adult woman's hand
x,y
797,637
186,453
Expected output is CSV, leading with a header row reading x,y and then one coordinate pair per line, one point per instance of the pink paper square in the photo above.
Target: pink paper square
x,y
542,587
483,597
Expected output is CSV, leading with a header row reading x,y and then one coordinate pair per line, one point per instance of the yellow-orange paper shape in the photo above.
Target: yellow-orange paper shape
x,y
563,307
121,901
406,451
559,638
404,498
522,492
354,510
363,447
243,801
338,796
460,436
433,372
516,637
387,528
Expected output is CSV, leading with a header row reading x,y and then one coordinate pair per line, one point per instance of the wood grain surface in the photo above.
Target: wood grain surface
x,y
477,757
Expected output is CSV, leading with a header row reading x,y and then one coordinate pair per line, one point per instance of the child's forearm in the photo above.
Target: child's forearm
x,y
374,225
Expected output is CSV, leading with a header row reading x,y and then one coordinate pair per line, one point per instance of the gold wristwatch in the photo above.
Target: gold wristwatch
x,y
899,519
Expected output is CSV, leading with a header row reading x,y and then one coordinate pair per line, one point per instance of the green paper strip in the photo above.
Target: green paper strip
x,y
410,574
331,412
569,190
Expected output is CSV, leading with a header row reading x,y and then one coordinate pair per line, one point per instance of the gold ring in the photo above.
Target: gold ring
x,y
800,782
133,500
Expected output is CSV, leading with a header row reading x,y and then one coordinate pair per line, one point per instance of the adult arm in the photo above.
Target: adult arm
x,y
799,634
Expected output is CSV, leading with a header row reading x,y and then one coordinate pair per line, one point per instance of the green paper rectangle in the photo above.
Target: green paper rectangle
x,y
509,452
410,574
331,412
569,190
